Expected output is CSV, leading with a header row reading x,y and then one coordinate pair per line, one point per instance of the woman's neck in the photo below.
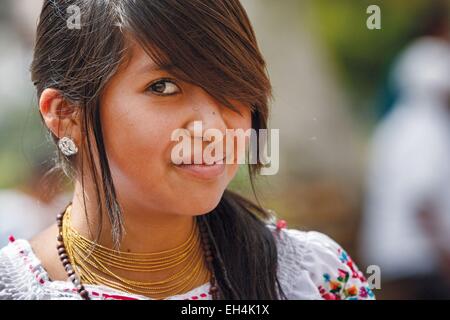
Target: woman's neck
x,y
145,232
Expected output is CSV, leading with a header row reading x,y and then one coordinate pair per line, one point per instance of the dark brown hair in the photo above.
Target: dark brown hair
x,y
210,44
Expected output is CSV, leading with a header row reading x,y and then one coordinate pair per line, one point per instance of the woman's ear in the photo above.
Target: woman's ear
x,y
61,117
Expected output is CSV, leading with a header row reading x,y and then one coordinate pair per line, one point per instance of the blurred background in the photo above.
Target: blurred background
x,y
364,119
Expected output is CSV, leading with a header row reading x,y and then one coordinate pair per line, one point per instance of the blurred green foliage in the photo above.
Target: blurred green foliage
x,y
362,56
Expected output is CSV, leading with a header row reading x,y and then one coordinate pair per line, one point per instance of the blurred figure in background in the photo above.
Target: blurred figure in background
x,y
406,227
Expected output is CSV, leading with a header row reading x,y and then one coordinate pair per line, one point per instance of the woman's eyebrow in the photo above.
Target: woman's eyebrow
x,y
152,67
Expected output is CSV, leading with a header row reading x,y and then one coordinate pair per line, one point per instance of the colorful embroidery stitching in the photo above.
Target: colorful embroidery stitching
x,y
339,288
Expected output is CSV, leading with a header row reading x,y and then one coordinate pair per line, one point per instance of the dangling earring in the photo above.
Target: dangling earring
x,y
67,146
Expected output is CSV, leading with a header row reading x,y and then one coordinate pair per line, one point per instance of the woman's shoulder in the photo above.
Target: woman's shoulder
x,y
24,267
23,277
15,270
312,265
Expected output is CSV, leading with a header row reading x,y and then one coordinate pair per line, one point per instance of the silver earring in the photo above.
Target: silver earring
x,y
67,146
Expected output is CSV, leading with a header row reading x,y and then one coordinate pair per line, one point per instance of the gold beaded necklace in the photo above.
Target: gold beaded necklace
x,y
94,263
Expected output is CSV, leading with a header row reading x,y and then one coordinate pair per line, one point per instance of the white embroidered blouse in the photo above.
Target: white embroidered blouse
x,y
310,266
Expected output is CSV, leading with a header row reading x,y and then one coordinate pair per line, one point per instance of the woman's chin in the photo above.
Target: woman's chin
x,y
199,195
202,204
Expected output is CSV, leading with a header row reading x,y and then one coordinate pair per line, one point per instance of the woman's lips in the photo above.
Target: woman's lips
x,y
203,171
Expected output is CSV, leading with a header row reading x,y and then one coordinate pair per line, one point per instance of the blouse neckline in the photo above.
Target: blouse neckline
x,y
41,276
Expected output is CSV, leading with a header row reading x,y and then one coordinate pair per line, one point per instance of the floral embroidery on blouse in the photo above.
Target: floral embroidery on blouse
x,y
339,287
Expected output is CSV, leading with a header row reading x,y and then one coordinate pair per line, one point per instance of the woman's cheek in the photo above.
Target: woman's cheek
x,y
129,149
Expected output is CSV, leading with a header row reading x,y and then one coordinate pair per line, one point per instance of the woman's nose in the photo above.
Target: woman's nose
x,y
209,113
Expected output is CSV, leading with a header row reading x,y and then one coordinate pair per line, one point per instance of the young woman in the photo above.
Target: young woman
x,y
112,91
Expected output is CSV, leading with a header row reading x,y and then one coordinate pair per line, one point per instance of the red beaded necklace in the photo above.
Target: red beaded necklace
x,y
75,279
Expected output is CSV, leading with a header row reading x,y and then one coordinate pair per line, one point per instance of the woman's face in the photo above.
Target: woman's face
x,y
140,109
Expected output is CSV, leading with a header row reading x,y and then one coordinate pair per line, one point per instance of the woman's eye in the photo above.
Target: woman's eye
x,y
164,88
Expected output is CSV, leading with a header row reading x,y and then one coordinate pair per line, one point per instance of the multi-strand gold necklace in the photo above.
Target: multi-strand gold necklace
x,y
95,264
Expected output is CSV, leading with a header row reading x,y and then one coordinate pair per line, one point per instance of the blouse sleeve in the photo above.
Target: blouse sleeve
x,y
332,270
